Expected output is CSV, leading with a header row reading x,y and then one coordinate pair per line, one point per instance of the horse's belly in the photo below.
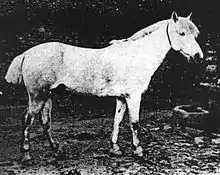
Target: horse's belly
x,y
87,86
91,85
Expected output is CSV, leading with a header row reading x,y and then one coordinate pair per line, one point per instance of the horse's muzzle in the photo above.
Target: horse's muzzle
x,y
198,58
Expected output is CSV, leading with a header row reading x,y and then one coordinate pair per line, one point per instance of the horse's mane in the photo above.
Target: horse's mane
x,y
142,33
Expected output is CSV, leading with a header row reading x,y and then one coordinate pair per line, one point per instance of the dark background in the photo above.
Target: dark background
x,y
82,124
93,23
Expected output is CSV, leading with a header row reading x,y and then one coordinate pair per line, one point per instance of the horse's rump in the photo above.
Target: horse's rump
x,y
42,65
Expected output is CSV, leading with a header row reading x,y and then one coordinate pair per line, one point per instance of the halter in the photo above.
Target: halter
x,y
168,35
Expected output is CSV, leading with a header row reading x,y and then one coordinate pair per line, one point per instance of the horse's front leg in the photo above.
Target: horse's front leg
x,y
119,113
133,103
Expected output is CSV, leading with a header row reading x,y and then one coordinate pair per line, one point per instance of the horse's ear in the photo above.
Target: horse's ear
x,y
189,16
174,16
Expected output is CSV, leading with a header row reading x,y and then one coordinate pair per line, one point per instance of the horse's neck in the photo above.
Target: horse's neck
x,y
157,44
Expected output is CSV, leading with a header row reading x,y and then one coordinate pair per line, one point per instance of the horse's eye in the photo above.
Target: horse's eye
x,y
182,34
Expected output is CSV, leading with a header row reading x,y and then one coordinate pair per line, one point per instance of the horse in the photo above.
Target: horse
x,y
122,70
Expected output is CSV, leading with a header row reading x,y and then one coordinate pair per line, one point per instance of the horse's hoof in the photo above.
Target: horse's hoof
x,y
114,152
139,151
27,161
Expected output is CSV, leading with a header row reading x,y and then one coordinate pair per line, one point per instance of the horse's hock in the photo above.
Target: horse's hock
x,y
188,115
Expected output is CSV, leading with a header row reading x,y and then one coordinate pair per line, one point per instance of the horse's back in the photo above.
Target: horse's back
x,y
50,64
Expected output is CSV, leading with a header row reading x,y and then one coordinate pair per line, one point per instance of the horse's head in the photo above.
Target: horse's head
x,y
182,34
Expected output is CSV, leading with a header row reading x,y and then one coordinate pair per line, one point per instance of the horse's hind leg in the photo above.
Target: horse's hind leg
x,y
33,109
133,103
45,120
119,113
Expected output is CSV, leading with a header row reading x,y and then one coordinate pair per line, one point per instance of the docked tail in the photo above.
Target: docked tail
x,y
14,73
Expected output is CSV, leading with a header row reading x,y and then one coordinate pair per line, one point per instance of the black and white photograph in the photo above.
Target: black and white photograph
x,y
109,87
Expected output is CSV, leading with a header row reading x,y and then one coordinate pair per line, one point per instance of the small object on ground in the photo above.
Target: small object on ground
x,y
190,115
209,58
211,51
155,129
211,68
216,141
167,127
199,140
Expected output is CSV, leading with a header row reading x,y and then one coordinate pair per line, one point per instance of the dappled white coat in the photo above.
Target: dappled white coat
x,y
117,70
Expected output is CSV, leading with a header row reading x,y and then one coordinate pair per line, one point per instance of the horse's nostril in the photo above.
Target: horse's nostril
x,y
198,58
